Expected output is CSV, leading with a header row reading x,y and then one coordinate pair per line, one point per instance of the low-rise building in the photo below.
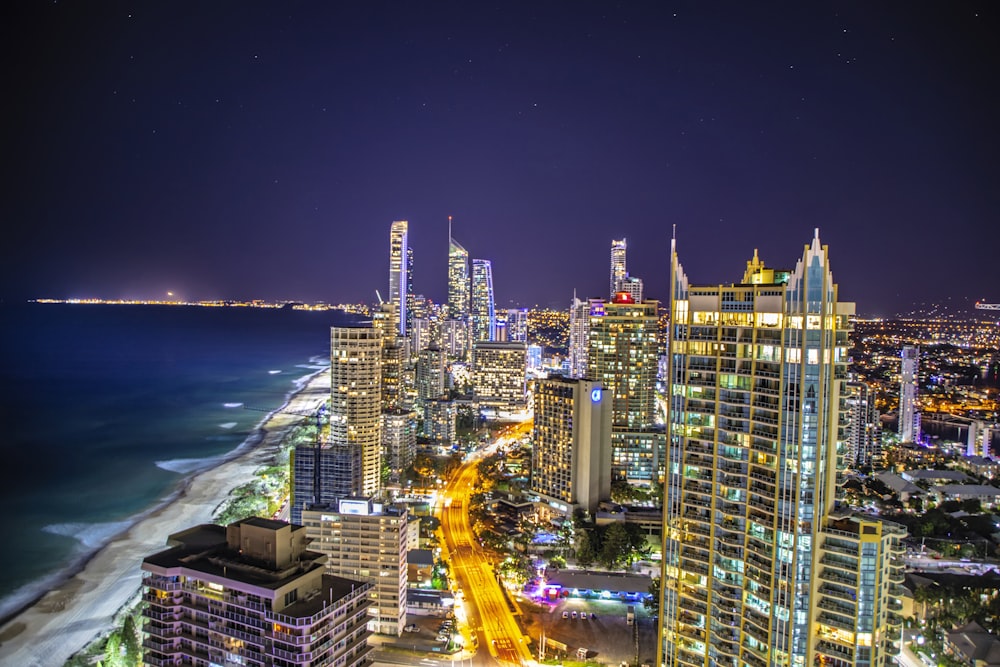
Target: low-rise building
x,y
250,593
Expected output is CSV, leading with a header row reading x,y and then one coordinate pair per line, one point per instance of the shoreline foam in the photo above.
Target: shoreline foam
x,y
83,599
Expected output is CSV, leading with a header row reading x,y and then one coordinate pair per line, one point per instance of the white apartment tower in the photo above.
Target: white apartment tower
x,y
356,399
399,269
909,361
365,541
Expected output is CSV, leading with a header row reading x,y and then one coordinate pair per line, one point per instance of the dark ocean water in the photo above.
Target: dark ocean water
x,y
104,410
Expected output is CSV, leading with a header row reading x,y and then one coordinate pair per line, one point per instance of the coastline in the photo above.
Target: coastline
x,y
83,604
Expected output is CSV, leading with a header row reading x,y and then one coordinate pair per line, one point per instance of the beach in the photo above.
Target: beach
x,y
83,606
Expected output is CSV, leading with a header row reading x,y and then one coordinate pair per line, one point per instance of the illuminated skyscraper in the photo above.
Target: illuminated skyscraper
x,y
483,309
400,263
571,454
622,355
909,360
458,279
498,376
356,399
618,270
579,336
761,567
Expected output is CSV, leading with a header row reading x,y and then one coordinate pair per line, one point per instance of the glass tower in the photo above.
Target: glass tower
x,y
483,309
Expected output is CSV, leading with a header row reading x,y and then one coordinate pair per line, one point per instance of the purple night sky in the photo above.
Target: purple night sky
x,y
261,150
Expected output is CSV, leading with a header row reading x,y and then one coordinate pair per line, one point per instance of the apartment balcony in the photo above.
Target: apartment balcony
x,y
835,621
840,593
849,609
767,446
896,576
731,508
895,605
697,529
836,577
756,632
894,620
730,593
836,548
751,657
834,650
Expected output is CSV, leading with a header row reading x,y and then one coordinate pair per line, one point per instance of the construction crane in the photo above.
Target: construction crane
x,y
987,306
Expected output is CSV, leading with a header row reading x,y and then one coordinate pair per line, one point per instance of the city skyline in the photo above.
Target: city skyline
x,y
217,170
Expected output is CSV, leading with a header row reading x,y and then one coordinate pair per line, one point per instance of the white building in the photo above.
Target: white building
x,y
366,541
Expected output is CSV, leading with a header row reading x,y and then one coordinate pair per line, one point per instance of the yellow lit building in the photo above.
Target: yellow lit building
x,y
759,563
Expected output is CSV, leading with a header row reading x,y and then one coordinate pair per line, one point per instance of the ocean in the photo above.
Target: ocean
x,y
106,409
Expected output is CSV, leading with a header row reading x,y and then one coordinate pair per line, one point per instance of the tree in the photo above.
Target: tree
x,y
616,546
132,641
652,603
586,551
972,506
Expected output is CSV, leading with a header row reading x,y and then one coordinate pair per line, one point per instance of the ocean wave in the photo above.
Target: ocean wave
x,y
273,372
232,405
187,466
227,425
89,535
313,367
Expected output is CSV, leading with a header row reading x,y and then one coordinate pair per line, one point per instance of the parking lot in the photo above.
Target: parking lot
x,y
608,637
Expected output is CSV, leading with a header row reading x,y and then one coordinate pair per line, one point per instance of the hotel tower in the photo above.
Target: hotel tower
x,y
761,564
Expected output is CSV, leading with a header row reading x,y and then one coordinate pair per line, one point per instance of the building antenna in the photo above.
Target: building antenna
x,y
449,229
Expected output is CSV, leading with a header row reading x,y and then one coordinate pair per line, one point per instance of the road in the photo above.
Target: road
x,y
488,616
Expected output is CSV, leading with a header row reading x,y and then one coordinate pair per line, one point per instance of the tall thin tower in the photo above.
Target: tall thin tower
x,y
618,270
483,308
761,566
458,279
908,364
399,269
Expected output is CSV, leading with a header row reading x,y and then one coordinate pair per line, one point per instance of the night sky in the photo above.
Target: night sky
x,y
261,150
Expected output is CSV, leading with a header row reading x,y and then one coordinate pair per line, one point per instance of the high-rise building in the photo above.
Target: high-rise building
x,y
571,451
760,565
365,541
400,263
458,279
517,325
909,360
579,336
863,442
623,353
483,308
322,474
499,375
356,400
440,417
631,286
250,594
399,441
430,373
618,270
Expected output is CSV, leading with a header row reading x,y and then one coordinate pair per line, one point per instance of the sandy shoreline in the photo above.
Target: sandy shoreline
x,y
78,609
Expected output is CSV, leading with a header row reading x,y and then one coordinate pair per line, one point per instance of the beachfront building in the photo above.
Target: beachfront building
x,y
365,541
499,375
400,265
760,565
571,452
250,594
623,355
322,474
356,400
